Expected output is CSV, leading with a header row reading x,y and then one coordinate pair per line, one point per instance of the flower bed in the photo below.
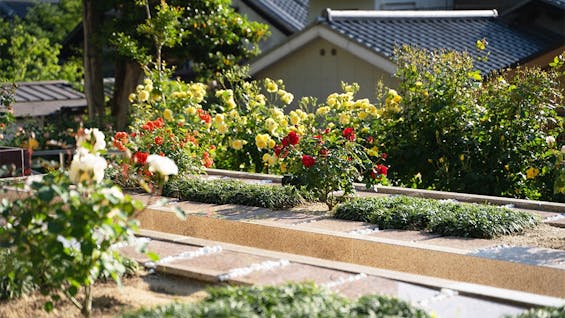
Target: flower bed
x,y
293,300
442,217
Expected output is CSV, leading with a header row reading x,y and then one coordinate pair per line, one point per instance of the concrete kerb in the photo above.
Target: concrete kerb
x,y
373,253
474,290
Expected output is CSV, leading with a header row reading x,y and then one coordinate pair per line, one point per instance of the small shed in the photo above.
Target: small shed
x,y
44,98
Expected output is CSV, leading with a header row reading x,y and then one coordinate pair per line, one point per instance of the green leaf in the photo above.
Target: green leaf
x,y
153,256
48,306
45,194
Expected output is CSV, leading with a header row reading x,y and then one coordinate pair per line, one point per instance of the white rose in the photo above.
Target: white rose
x,y
93,136
87,166
563,149
163,165
114,191
550,140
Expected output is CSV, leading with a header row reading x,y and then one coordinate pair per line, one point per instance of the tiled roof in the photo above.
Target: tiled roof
x,y
381,31
45,97
292,15
556,3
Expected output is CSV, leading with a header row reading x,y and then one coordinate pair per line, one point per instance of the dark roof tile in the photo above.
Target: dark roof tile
x,y
507,46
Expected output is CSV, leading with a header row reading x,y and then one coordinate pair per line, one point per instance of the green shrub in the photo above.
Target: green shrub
x,y
12,285
291,300
463,132
235,192
545,312
446,218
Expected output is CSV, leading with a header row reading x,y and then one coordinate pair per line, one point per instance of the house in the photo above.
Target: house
x,y
357,46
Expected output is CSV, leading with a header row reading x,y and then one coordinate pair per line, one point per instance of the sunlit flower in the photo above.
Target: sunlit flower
x,y
532,172
168,115
222,128
294,118
132,97
86,167
550,140
162,165
271,125
287,98
271,160
308,161
271,86
344,118
143,95
323,110
262,140
237,144
93,136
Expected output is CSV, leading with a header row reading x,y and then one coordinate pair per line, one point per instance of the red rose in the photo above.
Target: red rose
x,y
384,155
158,122
382,170
349,134
140,157
293,138
324,152
370,139
159,140
278,149
308,161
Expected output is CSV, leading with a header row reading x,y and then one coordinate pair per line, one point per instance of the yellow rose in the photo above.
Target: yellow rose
x,y
373,152
237,144
131,97
222,128
143,95
396,98
218,119
344,118
191,110
168,115
332,100
294,118
363,115
462,157
260,99
532,172
277,114
284,123
287,98
283,166
271,143
323,110
271,125
271,86
262,140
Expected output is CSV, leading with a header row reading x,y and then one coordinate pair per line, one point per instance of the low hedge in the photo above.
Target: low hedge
x,y
230,191
544,312
291,300
441,217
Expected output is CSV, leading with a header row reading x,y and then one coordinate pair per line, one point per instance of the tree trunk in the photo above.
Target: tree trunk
x,y
93,15
128,76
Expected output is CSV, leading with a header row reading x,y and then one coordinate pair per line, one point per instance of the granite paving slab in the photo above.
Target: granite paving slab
x,y
295,272
163,249
458,306
378,285
527,255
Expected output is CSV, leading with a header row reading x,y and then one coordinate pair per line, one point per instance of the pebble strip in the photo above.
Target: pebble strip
x,y
242,271
554,217
365,231
206,250
344,280
443,294
138,241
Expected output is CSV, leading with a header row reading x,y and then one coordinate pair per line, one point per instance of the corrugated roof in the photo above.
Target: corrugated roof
x,y
382,33
45,97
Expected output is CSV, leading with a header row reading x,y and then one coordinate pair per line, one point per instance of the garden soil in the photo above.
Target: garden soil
x,y
145,290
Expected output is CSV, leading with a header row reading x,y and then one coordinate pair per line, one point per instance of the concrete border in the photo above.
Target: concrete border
x,y
342,248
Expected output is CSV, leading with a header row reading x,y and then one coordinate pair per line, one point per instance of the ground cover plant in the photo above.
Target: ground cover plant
x,y
544,312
441,217
292,300
226,191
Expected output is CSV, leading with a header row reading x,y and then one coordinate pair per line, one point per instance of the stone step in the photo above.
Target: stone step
x,y
235,264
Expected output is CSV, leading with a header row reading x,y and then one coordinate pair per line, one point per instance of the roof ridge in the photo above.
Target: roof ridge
x,y
330,14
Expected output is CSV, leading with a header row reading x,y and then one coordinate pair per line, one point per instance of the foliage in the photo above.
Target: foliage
x,y
7,91
235,192
442,217
291,300
62,232
12,286
462,132
544,312
217,36
30,46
